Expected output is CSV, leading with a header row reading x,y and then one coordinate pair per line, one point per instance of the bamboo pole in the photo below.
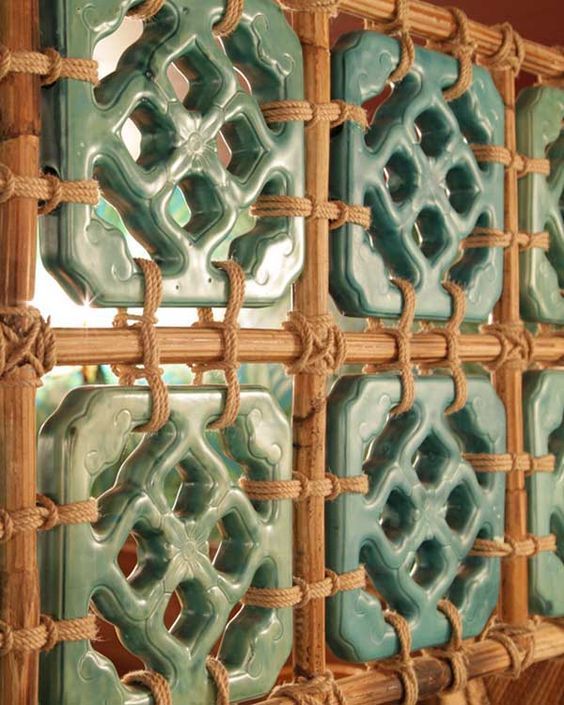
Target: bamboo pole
x,y
19,151
433,22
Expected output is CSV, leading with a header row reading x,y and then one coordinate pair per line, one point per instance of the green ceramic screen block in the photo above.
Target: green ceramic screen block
x,y
414,168
540,112
544,433
425,507
179,158
173,492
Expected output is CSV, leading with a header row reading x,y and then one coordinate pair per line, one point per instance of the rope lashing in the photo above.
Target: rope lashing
x,y
47,635
517,345
150,369
510,462
229,328
154,682
490,237
335,113
399,27
301,487
530,546
511,52
319,690
507,635
330,7
463,48
220,677
26,341
48,64
336,212
454,652
403,664
498,154
324,346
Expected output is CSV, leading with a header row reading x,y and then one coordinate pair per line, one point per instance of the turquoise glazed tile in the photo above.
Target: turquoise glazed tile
x,y
179,159
544,433
414,168
425,507
540,112
89,441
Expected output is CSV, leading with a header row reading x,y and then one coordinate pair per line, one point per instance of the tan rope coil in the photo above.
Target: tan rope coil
x,y
220,677
511,52
26,343
301,593
301,487
403,664
324,346
510,548
490,237
498,154
507,635
146,9
48,64
48,189
462,47
229,328
46,516
230,19
336,212
403,336
150,369
47,635
155,683
320,690
399,27
327,6
517,345
454,652
510,462
335,113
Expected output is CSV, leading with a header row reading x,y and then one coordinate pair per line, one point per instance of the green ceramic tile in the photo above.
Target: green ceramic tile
x,y
540,112
425,507
544,433
83,127
415,170
171,490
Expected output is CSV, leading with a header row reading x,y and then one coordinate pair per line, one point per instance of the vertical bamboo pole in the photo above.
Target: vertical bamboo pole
x,y
514,598
311,298
19,150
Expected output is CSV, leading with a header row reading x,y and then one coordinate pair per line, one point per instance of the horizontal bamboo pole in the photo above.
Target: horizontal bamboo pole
x,y
485,658
437,23
95,346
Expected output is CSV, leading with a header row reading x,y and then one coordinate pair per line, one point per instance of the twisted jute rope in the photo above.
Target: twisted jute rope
x,y
301,593
150,369
454,652
47,635
399,27
510,548
403,336
48,189
319,690
511,52
147,10
451,335
463,48
335,113
48,64
510,462
403,664
336,212
155,683
330,7
46,516
220,677
301,487
324,346
491,237
498,154
508,635
517,345
26,343
229,327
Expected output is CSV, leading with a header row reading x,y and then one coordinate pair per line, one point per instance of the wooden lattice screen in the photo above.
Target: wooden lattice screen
x,y
309,345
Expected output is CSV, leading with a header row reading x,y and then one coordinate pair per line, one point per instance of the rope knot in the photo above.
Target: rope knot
x,y
52,518
52,636
154,682
517,345
26,341
7,527
6,638
323,344
319,690
330,7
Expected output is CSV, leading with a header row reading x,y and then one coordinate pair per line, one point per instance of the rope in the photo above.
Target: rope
x,y
48,64
530,546
451,334
510,462
150,370
506,635
402,335
403,664
26,340
399,27
330,7
156,684
454,652
47,635
324,346
463,49
229,328
301,487
337,212
146,10
231,18
46,516
498,154
220,677
511,52
517,345
301,593
335,113
489,237
48,189
320,690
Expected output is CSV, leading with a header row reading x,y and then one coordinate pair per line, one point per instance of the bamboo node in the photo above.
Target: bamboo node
x,y
26,343
154,682
47,635
324,346
48,64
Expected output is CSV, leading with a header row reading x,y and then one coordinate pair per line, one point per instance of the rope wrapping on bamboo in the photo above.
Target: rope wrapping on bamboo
x,y
490,237
399,27
498,154
48,64
403,336
150,369
229,328
510,462
46,516
327,6
511,548
26,343
155,683
511,52
454,652
324,346
336,212
220,677
47,635
48,189
451,335
403,664
301,593
463,48
517,345
320,690
507,635
335,113
301,487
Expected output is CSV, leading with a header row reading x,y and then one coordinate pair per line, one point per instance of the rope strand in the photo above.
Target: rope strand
x,y
154,682
47,635
48,64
